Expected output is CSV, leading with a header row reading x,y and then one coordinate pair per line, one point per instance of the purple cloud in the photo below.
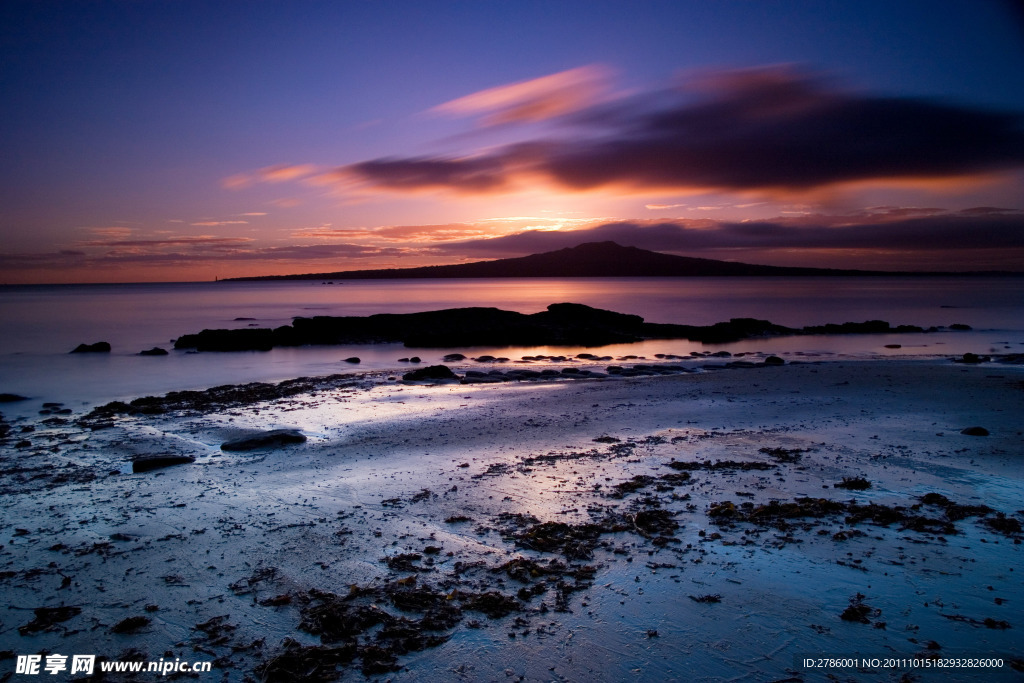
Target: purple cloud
x,y
761,129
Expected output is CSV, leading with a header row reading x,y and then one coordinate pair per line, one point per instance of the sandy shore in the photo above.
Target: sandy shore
x,y
603,529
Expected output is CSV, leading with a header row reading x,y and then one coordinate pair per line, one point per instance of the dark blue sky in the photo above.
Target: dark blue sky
x,y
175,140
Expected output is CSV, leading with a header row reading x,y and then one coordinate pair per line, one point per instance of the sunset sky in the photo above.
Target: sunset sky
x,y
173,141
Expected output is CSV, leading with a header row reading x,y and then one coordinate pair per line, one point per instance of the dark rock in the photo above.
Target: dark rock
x,y
155,351
415,359
960,327
453,358
215,398
561,324
774,360
353,359
155,462
523,373
270,439
430,372
11,398
130,624
974,431
228,340
98,347
971,359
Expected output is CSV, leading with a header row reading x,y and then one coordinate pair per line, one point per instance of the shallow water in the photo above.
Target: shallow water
x,y
40,324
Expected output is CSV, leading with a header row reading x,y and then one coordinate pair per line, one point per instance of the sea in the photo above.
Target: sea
x,y
41,324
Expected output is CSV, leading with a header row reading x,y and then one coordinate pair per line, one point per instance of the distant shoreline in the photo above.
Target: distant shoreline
x,y
603,259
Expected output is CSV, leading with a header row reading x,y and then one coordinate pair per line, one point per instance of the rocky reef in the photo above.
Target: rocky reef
x,y
562,324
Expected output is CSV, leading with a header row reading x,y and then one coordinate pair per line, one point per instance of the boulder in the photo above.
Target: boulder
x,y
155,351
98,347
354,360
430,372
974,431
156,462
774,360
11,398
453,358
270,439
258,339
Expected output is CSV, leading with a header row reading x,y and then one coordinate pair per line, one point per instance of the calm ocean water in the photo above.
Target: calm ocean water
x,y
39,325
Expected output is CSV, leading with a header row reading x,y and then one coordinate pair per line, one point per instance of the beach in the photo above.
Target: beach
x,y
605,528
595,342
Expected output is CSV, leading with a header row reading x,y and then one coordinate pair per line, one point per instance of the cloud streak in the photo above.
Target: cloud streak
x,y
195,252
278,173
534,100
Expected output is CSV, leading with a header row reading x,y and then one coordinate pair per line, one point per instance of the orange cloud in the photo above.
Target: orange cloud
x,y
113,232
446,232
278,173
538,99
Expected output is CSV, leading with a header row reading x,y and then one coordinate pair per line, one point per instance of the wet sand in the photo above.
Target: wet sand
x,y
591,529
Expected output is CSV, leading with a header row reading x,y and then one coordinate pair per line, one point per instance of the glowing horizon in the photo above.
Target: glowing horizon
x,y
330,150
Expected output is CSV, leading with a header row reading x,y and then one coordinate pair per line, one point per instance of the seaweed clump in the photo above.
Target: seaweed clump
x,y
858,611
853,484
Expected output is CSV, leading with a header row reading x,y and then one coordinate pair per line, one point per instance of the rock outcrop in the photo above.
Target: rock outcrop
x,y
564,324
98,347
155,462
431,372
271,439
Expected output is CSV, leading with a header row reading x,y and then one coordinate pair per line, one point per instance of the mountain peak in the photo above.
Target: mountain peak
x,y
588,259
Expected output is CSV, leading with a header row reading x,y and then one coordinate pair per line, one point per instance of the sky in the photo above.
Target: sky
x,y
185,141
